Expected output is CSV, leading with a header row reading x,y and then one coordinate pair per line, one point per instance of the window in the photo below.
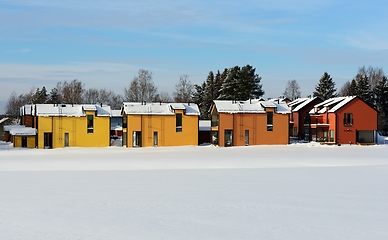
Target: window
x,y
348,119
178,118
331,132
269,121
228,137
90,123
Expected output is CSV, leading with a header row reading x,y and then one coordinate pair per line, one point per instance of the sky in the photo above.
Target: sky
x,y
103,44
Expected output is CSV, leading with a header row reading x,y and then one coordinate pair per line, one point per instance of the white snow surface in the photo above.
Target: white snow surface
x,y
297,191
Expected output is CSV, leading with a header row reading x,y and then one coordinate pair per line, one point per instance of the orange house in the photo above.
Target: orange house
x,y
253,122
343,120
300,109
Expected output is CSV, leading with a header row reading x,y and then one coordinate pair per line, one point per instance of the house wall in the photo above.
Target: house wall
x,y
165,126
257,126
17,141
364,118
76,127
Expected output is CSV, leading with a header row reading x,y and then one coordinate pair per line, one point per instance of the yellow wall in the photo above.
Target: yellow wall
x,y
17,141
76,127
165,125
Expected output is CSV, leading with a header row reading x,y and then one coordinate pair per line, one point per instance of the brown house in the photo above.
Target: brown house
x,y
343,120
299,116
252,122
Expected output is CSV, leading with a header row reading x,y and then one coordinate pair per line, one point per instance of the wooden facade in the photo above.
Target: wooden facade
x,y
254,122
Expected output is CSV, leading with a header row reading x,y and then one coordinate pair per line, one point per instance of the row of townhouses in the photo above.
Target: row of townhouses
x,y
340,120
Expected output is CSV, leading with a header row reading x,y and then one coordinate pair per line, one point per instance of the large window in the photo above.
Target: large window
x,y
228,138
269,121
178,117
90,123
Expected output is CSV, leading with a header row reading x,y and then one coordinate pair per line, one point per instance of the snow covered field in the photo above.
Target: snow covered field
x,y
299,191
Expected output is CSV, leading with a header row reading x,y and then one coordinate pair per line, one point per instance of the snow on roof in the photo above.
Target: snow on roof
x,y
160,108
22,131
115,113
3,120
302,104
8,128
73,110
204,125
297,101
250,106
331,104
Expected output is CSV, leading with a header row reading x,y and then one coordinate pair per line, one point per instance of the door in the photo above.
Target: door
x,y
24,142
48,140
66,139
246,137
228,138
155,139
136,139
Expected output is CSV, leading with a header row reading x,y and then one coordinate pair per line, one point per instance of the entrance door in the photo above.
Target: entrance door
x,y
24,142
155,139
228,138
48,140
246,137
136,139
66,139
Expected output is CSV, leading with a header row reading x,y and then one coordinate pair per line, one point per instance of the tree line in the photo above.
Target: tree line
x,y
235,83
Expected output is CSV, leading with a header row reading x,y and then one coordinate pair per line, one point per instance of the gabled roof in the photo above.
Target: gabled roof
x,y
20,130
300,103
71,110
3,120
331,104
159,108
250,106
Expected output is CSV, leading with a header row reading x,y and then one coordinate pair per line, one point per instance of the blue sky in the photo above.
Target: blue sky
x,y
104,43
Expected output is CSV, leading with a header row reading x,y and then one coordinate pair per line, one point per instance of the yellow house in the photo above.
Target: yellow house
x,y
62,125
160,124
20,135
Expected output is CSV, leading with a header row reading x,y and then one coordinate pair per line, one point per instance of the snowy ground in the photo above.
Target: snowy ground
x,y
299,191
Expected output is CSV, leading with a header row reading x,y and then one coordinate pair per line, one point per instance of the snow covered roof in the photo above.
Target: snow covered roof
x,y
8,128
115,113
301,103
72,110
250,106
3,120
160,108
204,125
22,131
331,104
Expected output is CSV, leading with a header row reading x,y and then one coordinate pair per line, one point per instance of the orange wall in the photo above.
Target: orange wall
x,y
257,126
364,118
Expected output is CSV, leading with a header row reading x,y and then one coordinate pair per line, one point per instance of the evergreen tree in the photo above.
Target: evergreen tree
x,y
198,98
229,88
364,90
325,89
209,94
53,96
381,92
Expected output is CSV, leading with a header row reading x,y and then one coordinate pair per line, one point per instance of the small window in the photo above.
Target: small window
x,y
269,121
90,123
178,117
350,119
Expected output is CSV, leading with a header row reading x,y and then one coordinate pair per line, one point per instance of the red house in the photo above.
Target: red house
x,y
343,120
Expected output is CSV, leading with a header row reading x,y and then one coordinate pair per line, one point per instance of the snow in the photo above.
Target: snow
x,y
3,120
250,106
298,191
160,108
76,110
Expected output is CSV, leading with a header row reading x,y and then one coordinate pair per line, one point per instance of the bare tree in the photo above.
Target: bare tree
x,y
292,90
91,96
374,75
141,88
183,90
163,97
15,102
348,89
71,92
103,96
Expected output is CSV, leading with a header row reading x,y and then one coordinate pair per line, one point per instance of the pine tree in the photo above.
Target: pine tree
x,y
229,88
364,89
381,92
53,97
198,98
325,89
